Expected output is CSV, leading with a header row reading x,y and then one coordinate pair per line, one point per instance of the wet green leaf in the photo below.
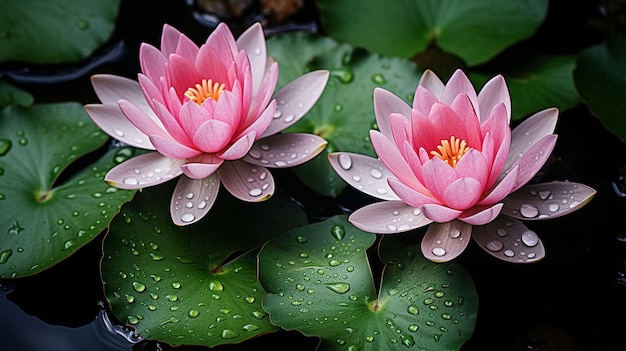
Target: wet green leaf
x,y
344,114
11,95
195,284
326,289
474,30
540,83
600,77
54,31
48,214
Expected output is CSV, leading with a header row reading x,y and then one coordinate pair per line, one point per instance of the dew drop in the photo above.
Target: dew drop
x,y
250,327
193,313
529,211
530,238
345,161
438,251
340,288
5,146
131,181
215,285
338,231
255,192
4,256
412,309
509,253
494,246
139,287
187,217
379,79
229,334
376,173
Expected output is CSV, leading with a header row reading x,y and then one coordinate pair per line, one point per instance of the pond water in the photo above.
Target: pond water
x,y
574,299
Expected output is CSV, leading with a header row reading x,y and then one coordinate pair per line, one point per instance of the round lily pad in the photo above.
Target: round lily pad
x,y
52,201
474,30
195,284
54,31
325,289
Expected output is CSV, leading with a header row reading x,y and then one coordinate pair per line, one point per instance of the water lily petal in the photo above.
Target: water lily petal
x,y
431,81
110,89
479,215
296,99
444,242
253,42
239,148
223,41
437,175
410,195
509,240
113,122
528,132
462,193
386,103
547,200
141,120
171,124
199,170
285,150
388,217
172,148
212,136
262,122
534,158
439,213
263,96
474,165
182,74
144,171
502,189
392,158
460,84
152,61
423,100
495,91
247,182
193,198
365,173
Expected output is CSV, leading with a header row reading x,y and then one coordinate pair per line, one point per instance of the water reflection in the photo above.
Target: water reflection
x,y
20,331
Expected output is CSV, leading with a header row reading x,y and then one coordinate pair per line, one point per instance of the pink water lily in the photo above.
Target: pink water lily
x,y
451,161
210,115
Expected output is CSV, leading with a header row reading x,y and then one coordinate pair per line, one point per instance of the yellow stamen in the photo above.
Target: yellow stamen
x,y
205,90
451,151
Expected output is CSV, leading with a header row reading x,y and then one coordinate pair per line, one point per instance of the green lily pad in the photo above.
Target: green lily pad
x,y
541,83
600,78
194,284
475,30
11,95
325,288
54,31
45,219
344,114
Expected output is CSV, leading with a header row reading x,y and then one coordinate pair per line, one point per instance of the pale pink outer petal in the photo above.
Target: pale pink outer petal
x,y
493,92
460,84
246,182
285,150
253,42
193,198
141,120
296,99
394,161
547,200
444,242
440,213
239,148
388,217
527,133
366,174
199,170
152,61
534,158
502,189
386,103
144,171
479,215
430,81
410,195
113,122
509,240
173,149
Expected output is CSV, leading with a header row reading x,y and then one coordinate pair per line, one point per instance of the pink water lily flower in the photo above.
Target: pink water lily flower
x,y
210,114
451,161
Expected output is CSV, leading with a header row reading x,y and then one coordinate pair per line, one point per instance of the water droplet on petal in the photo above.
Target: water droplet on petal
x,y
345,161
255,192
494,246
187,217
529,211
438,251
530,238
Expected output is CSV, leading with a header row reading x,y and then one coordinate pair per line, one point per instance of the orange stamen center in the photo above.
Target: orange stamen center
x,y
205,90
451,151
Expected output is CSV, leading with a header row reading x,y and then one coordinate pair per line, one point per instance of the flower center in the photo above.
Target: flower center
x,y
451,151
205,90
